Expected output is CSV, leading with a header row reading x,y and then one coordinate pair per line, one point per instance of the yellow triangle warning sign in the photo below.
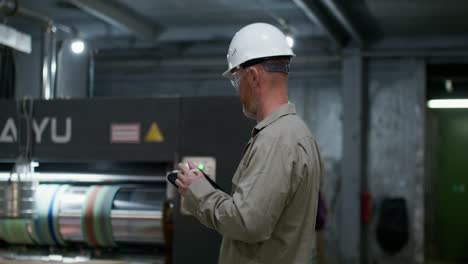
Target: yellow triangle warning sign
x,y
154,134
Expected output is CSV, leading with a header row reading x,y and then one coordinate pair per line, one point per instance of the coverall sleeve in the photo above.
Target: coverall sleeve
x,y
258,198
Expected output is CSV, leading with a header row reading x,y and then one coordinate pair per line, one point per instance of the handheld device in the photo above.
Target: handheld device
x,y
172,177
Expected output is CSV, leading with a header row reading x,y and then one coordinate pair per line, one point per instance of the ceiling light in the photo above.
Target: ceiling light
x,y
77,46
448,85
290,41
448,103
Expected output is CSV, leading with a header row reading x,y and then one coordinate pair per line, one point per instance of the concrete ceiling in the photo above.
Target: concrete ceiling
x,y
409,17
181,20
339,21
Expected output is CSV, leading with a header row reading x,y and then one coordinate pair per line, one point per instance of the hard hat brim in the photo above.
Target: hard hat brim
x,y
227,73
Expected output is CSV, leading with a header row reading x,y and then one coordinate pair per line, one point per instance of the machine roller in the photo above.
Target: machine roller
x,y
101,216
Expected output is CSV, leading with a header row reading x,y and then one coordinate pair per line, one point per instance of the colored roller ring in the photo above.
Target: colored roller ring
x,y
102,216
97,217
55,214
113,190
41,230
50,217
87,220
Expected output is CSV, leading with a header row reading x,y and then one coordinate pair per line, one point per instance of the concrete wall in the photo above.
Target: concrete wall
x,y
396,148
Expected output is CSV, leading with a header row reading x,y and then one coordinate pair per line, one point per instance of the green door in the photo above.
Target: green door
x,y
451,185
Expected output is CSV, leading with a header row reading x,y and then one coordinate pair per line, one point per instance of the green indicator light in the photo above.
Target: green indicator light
x,y
201,166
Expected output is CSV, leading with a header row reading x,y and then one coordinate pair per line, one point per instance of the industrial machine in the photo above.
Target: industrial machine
x,y
83,180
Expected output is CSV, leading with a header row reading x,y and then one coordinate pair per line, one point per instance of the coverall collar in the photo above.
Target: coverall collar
x,y
286,109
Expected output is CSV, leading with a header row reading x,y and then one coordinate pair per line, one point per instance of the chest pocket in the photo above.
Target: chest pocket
x,y
242,165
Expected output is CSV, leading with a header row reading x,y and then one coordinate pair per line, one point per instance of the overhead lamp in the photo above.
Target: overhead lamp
x,y
77,46
448,103
448,85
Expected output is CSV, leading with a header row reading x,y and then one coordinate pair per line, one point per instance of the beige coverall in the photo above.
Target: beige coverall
x,y
270,216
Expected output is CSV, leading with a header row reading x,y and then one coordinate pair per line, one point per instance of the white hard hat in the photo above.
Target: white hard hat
x,y
254,41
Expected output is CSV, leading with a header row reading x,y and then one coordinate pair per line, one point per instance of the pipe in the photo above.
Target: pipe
x,y
91,61
53,63
317,14
47,38
8,7
414,53
206,62
49,63
21,11
25,12
341,16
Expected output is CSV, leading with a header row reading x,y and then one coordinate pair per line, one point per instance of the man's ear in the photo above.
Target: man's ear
x,y
253,76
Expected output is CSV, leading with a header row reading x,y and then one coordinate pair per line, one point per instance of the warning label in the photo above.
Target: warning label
x,y
154,134
125,133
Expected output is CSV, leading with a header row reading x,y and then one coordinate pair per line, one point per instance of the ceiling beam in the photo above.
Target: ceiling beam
x,y
337,10
318,14
120,16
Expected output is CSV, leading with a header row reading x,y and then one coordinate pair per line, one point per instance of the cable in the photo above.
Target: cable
x,y
28,108
7,73
24,112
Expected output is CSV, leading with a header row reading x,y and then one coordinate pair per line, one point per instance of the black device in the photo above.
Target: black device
x,y
172,177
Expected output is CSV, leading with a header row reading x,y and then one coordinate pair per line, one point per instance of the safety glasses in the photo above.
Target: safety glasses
x,y
235,79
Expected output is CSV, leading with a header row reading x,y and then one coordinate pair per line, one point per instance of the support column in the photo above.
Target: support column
x,y
352,242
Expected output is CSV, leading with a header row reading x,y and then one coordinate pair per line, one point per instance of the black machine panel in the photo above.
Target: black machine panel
x,y
94,129
209,127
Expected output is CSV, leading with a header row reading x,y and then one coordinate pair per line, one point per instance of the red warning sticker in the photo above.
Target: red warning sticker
x,y
125,133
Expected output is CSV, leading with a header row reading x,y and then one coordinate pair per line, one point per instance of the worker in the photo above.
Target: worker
x,y
270,215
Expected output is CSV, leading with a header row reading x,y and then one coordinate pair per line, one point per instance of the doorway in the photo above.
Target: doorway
x,y
447,167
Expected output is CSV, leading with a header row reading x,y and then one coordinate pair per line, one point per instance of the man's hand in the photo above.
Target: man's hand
x,y
187,177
